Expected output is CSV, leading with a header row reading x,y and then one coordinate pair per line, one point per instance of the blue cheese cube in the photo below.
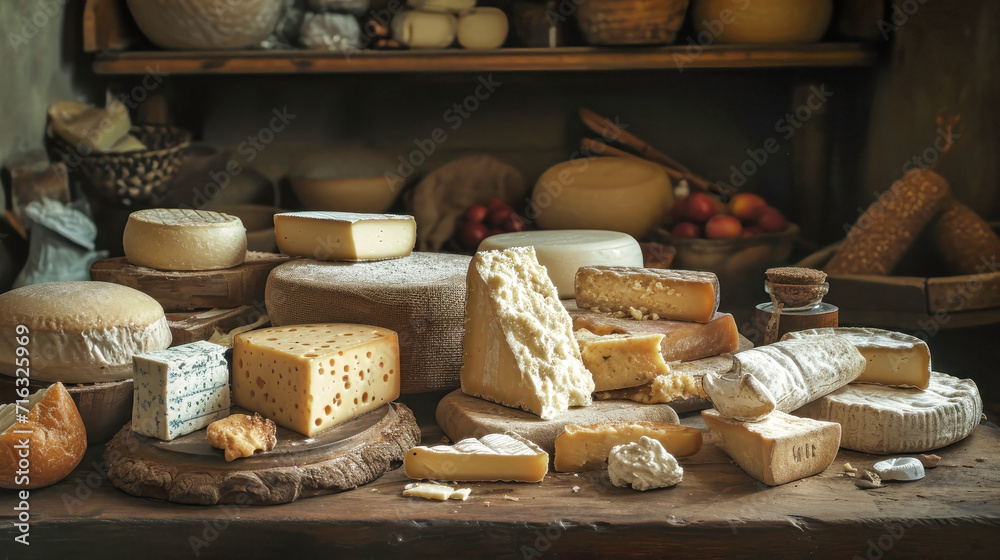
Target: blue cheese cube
x,y
180,390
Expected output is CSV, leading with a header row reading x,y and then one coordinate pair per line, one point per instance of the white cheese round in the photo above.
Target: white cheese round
x,y
421,297
562,252
886,420
482,28
179,239
79,332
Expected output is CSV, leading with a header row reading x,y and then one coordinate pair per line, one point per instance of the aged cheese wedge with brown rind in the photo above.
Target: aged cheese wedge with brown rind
x,y
682,340
887,420
679,295
345,236
894,359
618,361
778,449
795,372
494,457
586,448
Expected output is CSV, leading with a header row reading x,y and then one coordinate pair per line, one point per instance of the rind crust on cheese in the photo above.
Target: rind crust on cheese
x,y
421,297
681,295
80,332
887,420
181,239
493,457
345,236
682,340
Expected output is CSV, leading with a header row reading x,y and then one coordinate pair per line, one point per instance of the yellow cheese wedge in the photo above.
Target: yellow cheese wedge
x,y
345,236
90,129
585,448
682,340
680,295
493,457
618,361
308,378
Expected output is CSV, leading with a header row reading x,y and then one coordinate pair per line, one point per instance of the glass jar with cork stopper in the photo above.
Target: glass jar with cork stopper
x,y
796,302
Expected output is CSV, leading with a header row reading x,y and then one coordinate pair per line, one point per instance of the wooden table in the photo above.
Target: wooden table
x,y
717,511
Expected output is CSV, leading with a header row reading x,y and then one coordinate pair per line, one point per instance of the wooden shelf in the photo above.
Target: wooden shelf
x,y
503,60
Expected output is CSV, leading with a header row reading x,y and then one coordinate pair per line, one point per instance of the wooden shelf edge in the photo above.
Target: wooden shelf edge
x,y
677,58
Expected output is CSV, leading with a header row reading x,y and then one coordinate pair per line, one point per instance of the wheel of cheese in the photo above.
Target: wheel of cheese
x,y
482,28
179,239
886,420
421,297
79,332
562,252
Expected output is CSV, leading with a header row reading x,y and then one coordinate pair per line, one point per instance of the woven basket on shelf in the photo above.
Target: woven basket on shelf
x,y
631,22
129,179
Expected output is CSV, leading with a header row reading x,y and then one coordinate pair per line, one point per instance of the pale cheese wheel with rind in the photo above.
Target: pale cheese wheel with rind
x,y
183,239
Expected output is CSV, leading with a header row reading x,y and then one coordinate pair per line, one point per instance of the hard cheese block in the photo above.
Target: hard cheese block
x,y
894,359
421,297
182,239
562,252
344,236
679,295
887,420
180,390
519,349
308,378
618,361
683,341
493,457
585,448
779,449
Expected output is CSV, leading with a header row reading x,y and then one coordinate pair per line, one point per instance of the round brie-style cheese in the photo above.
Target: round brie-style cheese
x,y
563,252
78,332
179,239
883,420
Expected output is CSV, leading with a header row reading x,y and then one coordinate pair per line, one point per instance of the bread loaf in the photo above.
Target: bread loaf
x,y
963,239
881,236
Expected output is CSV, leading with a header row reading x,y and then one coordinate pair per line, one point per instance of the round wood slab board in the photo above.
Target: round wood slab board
x,y
462,416
189,470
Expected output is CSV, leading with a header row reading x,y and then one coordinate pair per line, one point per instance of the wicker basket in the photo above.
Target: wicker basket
x,y
631,22
129,179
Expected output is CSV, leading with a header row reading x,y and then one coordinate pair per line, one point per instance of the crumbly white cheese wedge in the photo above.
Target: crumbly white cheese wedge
x,y
345,236
436,491
493,457
794,372
519,349
180,239
585,448
778,449
894,359
308,378
889,420
643,465
618,361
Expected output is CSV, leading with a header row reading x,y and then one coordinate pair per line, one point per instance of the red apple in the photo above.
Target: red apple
x,y
745,206
679,211
686,229
723,227
771,221
473,234
751,231
499,215
699,207
495,203
514,223
476,213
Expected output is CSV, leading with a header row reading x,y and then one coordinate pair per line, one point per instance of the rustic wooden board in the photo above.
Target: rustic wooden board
x,y
108,25
104,407
717,511
186,291
188,470
192,326
462,416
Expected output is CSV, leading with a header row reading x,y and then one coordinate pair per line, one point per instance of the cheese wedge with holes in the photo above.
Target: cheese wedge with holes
x,y
494,457
345,236
778,449
618,361
586,448
179,239
894,359
308,378
683,341
680,295
519,349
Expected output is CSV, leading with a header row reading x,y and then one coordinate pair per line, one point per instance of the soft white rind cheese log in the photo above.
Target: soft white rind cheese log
x,y
778,449
493,457
888,420
618,361
643,465
894,359
308,378
345,236
519,349
80,332
179,239
563,252
794,372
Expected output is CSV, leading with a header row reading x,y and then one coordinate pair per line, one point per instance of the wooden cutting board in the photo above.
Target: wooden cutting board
x,y
462,416
204,289
189,470
192,326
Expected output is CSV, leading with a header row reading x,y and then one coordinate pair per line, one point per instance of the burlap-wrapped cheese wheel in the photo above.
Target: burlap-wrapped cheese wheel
x,y
421,297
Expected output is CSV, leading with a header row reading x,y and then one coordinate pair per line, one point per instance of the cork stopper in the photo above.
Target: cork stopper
x,y
795,275
795,286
